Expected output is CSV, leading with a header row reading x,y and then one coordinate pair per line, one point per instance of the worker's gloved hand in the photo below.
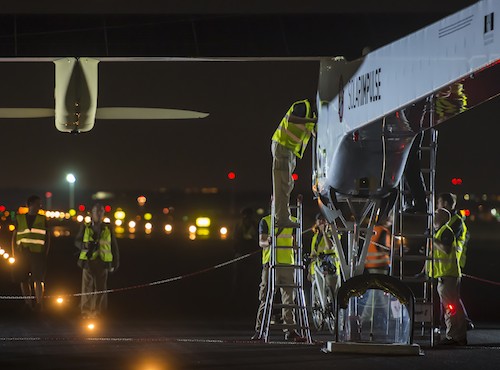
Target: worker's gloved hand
x,y
114,266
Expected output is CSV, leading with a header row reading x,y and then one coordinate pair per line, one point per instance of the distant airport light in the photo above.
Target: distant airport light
x,y
295,177
451,309
70,178
48,194
223,230
11,227
131,230
2,251
12,260
107,208
6,256
148,226
141,200
87,219
91,326
192,236
72,212
231,175
166,211
148,216
119,230
59,300
118,222
57,214
466,197
168,228
192,229
202,231
119,214
456,181
2,208
132,224
203,222
494,212
81,208
106,220
79,218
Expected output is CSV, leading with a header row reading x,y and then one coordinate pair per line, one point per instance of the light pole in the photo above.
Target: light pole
x,y
70,178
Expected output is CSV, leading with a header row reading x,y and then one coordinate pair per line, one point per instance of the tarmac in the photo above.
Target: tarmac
x,y
64,342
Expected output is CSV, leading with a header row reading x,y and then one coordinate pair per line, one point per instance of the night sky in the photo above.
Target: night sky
x,y
245,100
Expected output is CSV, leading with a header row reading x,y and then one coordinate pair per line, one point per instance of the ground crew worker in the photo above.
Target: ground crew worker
x,y
378,261
446,270
30,247
284,275
448,201
98,256
322,248
288,143
378,257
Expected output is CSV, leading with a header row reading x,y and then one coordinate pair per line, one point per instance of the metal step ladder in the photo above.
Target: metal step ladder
x,y
299,308
412,235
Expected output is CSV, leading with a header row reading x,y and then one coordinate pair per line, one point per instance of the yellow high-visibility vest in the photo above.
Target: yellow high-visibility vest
x,y
292,135
33,238
104,250
283,239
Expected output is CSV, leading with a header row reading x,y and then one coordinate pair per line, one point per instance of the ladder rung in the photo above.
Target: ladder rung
x,y
423,236
288,266
282,305
289,326
418,214
413,279
413,258
288,286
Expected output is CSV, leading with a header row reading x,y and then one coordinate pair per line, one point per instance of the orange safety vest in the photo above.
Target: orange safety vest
x,y
378,257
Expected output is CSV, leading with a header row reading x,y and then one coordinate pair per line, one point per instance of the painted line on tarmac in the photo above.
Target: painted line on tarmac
x,y
150,340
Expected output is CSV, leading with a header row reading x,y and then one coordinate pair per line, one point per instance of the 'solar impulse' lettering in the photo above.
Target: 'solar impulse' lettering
x,y
364,89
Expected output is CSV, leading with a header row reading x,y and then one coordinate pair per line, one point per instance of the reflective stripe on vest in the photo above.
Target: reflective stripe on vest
x,y
33,238
376,257
445,264
284,239
104,250
460,239
295,136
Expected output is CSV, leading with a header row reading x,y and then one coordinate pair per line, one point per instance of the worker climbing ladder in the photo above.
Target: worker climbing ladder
x,y
298,307
413,233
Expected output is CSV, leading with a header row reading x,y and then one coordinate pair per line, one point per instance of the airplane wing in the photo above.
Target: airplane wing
x,y
146,113
26,112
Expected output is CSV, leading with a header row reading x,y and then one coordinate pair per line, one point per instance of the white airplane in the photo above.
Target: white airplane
x,y
76,107
369,112
370,109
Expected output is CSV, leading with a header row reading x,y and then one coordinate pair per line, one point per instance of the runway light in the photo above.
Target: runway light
x,y
72,212
132,224
6,256
168,228
2,251
79,218
118,222
223,232
106,220
87,219
59,300
148,226
148,216
12,260
192,229
91,326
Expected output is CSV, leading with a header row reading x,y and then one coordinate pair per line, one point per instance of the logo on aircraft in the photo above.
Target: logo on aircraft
x,y
489,26
364,89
